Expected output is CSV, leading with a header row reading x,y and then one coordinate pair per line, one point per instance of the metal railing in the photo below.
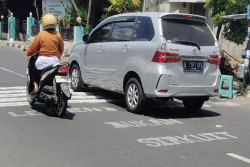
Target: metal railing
x,y
35,29
67,33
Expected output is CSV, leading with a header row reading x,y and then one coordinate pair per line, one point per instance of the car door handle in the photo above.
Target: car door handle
x,y
125,48
100,49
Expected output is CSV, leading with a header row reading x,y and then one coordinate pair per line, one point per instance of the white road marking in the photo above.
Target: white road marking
x,y
13,72
13,99
185,139
11,88
12,91
239,157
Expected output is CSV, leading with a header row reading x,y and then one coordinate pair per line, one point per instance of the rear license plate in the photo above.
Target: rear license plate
x,y
62,79
193,66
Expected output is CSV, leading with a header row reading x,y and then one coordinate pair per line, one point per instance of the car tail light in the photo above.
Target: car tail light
x,y
63,70
165,57
214,59
216,90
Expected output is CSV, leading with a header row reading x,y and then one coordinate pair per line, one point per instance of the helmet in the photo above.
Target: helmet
x,y
49,21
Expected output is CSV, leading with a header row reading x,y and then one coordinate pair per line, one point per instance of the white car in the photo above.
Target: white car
x,y
150,55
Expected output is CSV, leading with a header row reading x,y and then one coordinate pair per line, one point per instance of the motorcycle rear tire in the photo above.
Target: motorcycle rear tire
x,y
61,106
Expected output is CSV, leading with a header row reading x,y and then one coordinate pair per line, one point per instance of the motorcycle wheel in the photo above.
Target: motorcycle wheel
x,y
31,101
61,106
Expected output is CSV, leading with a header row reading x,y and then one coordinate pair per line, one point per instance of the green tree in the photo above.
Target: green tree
x,y
234,30
123,6
3,8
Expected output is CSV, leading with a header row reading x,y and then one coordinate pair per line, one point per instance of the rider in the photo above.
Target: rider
x,y
49,45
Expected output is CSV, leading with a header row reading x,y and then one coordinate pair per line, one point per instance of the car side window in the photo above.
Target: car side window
x,y
102,34
122,31
144,29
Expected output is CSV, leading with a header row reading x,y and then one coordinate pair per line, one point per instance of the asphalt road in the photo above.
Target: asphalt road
x,y
98,131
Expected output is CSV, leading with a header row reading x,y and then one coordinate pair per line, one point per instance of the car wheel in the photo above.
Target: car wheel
x,y
193,104
134,95
77,83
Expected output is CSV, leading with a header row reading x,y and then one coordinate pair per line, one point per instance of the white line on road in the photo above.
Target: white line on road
x,y
12,72
24,98
70,102
14,88
12,91
239,157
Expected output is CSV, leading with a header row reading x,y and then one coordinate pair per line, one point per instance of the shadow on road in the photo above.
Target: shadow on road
x,y
42,108
153,108
171,109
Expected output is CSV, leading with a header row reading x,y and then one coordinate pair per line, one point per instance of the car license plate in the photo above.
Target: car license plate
x,y
62,79
193,66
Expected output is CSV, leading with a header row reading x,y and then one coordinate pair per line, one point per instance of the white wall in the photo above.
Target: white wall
x,y
163,6
230,47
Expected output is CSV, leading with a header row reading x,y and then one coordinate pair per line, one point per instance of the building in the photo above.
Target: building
x,y
180,6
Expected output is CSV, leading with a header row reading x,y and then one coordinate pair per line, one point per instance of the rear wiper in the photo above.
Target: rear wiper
x,y
189,42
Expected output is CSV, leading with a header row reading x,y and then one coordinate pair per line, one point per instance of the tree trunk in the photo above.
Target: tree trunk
x,y
218,32
37,13
89,12
74,4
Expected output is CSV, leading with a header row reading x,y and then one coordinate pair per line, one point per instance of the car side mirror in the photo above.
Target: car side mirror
x,y
85,38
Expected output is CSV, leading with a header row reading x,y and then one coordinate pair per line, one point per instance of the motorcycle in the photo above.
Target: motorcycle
x,y
53,86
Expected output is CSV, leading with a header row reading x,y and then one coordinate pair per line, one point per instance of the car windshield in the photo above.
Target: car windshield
x,y
183,31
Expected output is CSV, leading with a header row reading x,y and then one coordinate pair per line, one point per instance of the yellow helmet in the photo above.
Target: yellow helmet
x,y
49,21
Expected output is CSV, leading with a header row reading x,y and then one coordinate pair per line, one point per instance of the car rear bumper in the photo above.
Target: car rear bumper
x,y
164,89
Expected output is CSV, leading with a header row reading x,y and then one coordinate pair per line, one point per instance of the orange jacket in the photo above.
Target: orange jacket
x,y
47,43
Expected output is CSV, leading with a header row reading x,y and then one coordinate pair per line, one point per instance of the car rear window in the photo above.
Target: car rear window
x,y
187,30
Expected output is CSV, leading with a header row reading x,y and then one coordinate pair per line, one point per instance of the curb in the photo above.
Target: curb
x,y
16,45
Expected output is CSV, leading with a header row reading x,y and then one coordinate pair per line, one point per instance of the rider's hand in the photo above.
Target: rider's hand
x,y
24,49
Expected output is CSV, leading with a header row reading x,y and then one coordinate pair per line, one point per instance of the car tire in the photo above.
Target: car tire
x,y
193,104
134,95
77,83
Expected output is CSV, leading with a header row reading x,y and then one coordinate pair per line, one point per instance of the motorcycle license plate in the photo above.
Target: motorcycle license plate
x,y
62,79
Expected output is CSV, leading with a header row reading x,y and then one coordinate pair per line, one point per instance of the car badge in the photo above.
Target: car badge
x,y
195,50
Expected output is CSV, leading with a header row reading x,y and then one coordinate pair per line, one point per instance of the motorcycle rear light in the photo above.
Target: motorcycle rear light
x,y
214,59
165,57
63,70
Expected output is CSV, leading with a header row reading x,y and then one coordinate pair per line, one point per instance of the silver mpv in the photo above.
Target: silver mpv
x,y
149,55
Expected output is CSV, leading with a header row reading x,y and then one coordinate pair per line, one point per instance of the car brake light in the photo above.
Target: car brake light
x,y
214,59
189,16
165,57
216,90
63,70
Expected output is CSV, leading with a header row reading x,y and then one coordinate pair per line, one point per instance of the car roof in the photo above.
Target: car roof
x,y
155,14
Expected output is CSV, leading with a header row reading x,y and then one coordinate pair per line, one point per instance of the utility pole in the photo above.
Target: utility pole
x,y
246,73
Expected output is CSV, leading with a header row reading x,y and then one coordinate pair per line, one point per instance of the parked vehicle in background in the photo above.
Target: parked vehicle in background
x,y
149,55
240,72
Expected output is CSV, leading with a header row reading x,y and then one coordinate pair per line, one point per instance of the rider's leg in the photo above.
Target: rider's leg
x,y
36,75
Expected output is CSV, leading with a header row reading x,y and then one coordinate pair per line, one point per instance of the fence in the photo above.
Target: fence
x,y
67,33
